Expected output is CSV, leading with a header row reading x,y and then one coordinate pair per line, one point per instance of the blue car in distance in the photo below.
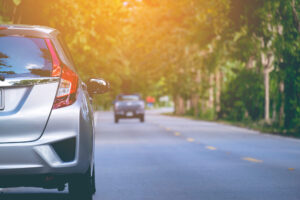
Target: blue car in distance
x,y
129,106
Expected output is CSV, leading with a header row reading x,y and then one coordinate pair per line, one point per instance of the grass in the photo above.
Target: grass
x,y
260,126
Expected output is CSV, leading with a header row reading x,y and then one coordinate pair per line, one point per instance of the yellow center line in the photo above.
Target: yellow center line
x,y
177,133
211,148
190,139
252,160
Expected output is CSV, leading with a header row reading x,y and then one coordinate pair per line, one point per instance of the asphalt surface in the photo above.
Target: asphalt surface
x,y
171,158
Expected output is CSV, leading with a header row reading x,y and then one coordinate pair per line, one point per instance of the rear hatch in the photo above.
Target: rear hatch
x,y
129,102
130,105
27,89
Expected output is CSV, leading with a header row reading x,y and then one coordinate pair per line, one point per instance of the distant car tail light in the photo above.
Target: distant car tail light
x,y
142,104
66,94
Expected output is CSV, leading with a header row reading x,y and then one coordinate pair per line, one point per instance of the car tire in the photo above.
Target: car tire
x,y
116,119
81,186
142,118
93,181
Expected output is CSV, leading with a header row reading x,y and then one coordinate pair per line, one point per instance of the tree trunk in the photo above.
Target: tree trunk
x,y
218,91
188,104
195,100
267,97
14,14
281,111
274,113
195,97
251,63
267,61
295,15
210,103
176,106
179,105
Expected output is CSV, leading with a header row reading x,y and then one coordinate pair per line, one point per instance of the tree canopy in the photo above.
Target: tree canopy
x,y
230,59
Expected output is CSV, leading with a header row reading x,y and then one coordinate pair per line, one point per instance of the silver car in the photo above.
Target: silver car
x,y
46,120
129,106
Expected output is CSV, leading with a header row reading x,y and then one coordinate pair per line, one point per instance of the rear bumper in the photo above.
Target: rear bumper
x,y
41,157
129,113
35,158
36,164
42,180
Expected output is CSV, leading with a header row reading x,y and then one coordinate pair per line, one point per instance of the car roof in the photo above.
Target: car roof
x,y
129,94
27,31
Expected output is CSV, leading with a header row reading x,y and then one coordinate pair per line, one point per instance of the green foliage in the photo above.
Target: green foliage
x,y
287,46
244,97
172,48
17,2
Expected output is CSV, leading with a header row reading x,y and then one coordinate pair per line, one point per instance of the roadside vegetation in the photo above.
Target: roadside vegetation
x,y
230,60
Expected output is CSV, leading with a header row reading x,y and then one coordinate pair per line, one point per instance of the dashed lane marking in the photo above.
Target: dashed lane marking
x,y
211,148
252,160
190,139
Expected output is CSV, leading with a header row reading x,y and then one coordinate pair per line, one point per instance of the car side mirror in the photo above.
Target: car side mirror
x,y
97,86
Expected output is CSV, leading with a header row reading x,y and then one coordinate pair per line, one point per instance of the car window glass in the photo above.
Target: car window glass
x,y
128,98
24,57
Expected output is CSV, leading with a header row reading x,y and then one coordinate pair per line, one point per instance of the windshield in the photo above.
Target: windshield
x,y
24,57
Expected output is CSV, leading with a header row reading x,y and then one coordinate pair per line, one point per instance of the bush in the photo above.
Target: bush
x,y
243,99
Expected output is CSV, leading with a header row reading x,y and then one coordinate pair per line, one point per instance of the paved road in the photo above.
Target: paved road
x,y
170,158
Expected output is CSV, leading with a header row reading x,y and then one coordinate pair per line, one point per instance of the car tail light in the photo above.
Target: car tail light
x,y
117,105
66,94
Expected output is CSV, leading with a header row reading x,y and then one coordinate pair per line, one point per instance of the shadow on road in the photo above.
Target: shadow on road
x,y
32,196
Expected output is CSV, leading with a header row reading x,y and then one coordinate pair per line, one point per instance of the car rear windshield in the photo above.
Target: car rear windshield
x,y
128,98
24,57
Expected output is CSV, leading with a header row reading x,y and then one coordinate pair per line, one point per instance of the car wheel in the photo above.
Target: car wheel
x,y
116,119
81,186
142,118
93,181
